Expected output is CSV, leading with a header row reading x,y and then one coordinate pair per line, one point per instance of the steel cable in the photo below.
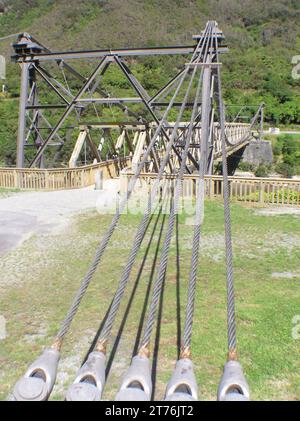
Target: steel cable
x,y
231,322
9,36
144,348
190,307
131,259
140,234
103,244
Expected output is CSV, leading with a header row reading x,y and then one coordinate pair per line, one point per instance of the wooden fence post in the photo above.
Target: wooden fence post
x,y
261,192
98,179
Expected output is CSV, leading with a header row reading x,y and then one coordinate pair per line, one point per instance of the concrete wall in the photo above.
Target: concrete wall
x,y
258,152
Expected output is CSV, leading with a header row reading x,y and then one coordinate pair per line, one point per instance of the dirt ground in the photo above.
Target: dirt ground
x,y
27,213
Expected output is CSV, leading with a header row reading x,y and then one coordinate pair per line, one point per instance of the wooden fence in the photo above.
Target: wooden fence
x,y
271,191
60,178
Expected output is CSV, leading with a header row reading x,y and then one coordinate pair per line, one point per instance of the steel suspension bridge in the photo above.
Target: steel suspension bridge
x,y
192,142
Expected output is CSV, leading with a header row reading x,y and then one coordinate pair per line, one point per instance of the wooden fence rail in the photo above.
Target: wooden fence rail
x,y
60,178
272,191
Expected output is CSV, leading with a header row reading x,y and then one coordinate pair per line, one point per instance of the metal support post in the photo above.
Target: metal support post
x,y
22,114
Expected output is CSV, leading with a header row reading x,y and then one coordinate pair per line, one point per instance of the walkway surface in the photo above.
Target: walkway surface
x,y
26,213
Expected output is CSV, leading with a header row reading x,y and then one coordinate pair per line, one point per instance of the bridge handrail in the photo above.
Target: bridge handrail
x,y
251,190
246,135
59,178
220,177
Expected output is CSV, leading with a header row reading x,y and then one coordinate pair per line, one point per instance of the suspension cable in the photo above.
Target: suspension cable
x,y
66,80
9,36
187,334
103,244
131,259
106,331
144,348
231,322
101,346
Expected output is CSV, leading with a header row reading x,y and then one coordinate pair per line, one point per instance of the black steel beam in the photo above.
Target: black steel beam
x,y
107,101
175,104
80,77
45,106
68,110
124,52
51,85
148,106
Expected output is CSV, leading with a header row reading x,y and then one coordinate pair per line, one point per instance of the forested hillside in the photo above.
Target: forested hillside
x,y
262,36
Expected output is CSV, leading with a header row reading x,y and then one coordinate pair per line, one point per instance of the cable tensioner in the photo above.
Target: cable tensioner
x,y
90,379
38,381
182,385
137,383
233,385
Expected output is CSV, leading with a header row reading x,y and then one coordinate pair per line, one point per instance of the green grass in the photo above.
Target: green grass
x,y
7,192
43,274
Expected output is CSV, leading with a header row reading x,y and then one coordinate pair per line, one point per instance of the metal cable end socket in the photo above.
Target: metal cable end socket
x,y
137,383
90,379
182,385
233,385
38,381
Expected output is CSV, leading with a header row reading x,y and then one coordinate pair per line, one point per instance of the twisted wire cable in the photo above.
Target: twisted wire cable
x,y
131,259
101,346
144,348
184,71
103,244
231,322
190,307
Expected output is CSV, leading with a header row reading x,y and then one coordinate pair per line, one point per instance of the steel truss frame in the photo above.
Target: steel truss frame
x,y
31,55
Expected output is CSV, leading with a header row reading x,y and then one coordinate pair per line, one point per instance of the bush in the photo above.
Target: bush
x,y
262,171
277,148
278,195
285,169
286,151
246,166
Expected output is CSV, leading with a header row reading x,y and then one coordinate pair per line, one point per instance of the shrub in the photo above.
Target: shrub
x,y
246,166
262,171
285,169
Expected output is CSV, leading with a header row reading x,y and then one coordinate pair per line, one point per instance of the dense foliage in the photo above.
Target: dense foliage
x,y
287,155
262,38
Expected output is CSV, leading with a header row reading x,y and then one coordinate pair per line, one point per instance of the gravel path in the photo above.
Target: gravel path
x,y
280,210
26,213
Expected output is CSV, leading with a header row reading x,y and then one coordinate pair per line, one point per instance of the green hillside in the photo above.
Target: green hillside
x,y
262,37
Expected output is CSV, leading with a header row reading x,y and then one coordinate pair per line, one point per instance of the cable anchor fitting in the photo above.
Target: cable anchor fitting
x,y
182,385
233,385
38,381
89,382
137,383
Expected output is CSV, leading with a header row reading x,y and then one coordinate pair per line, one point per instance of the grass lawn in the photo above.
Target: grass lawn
x,y
38,281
